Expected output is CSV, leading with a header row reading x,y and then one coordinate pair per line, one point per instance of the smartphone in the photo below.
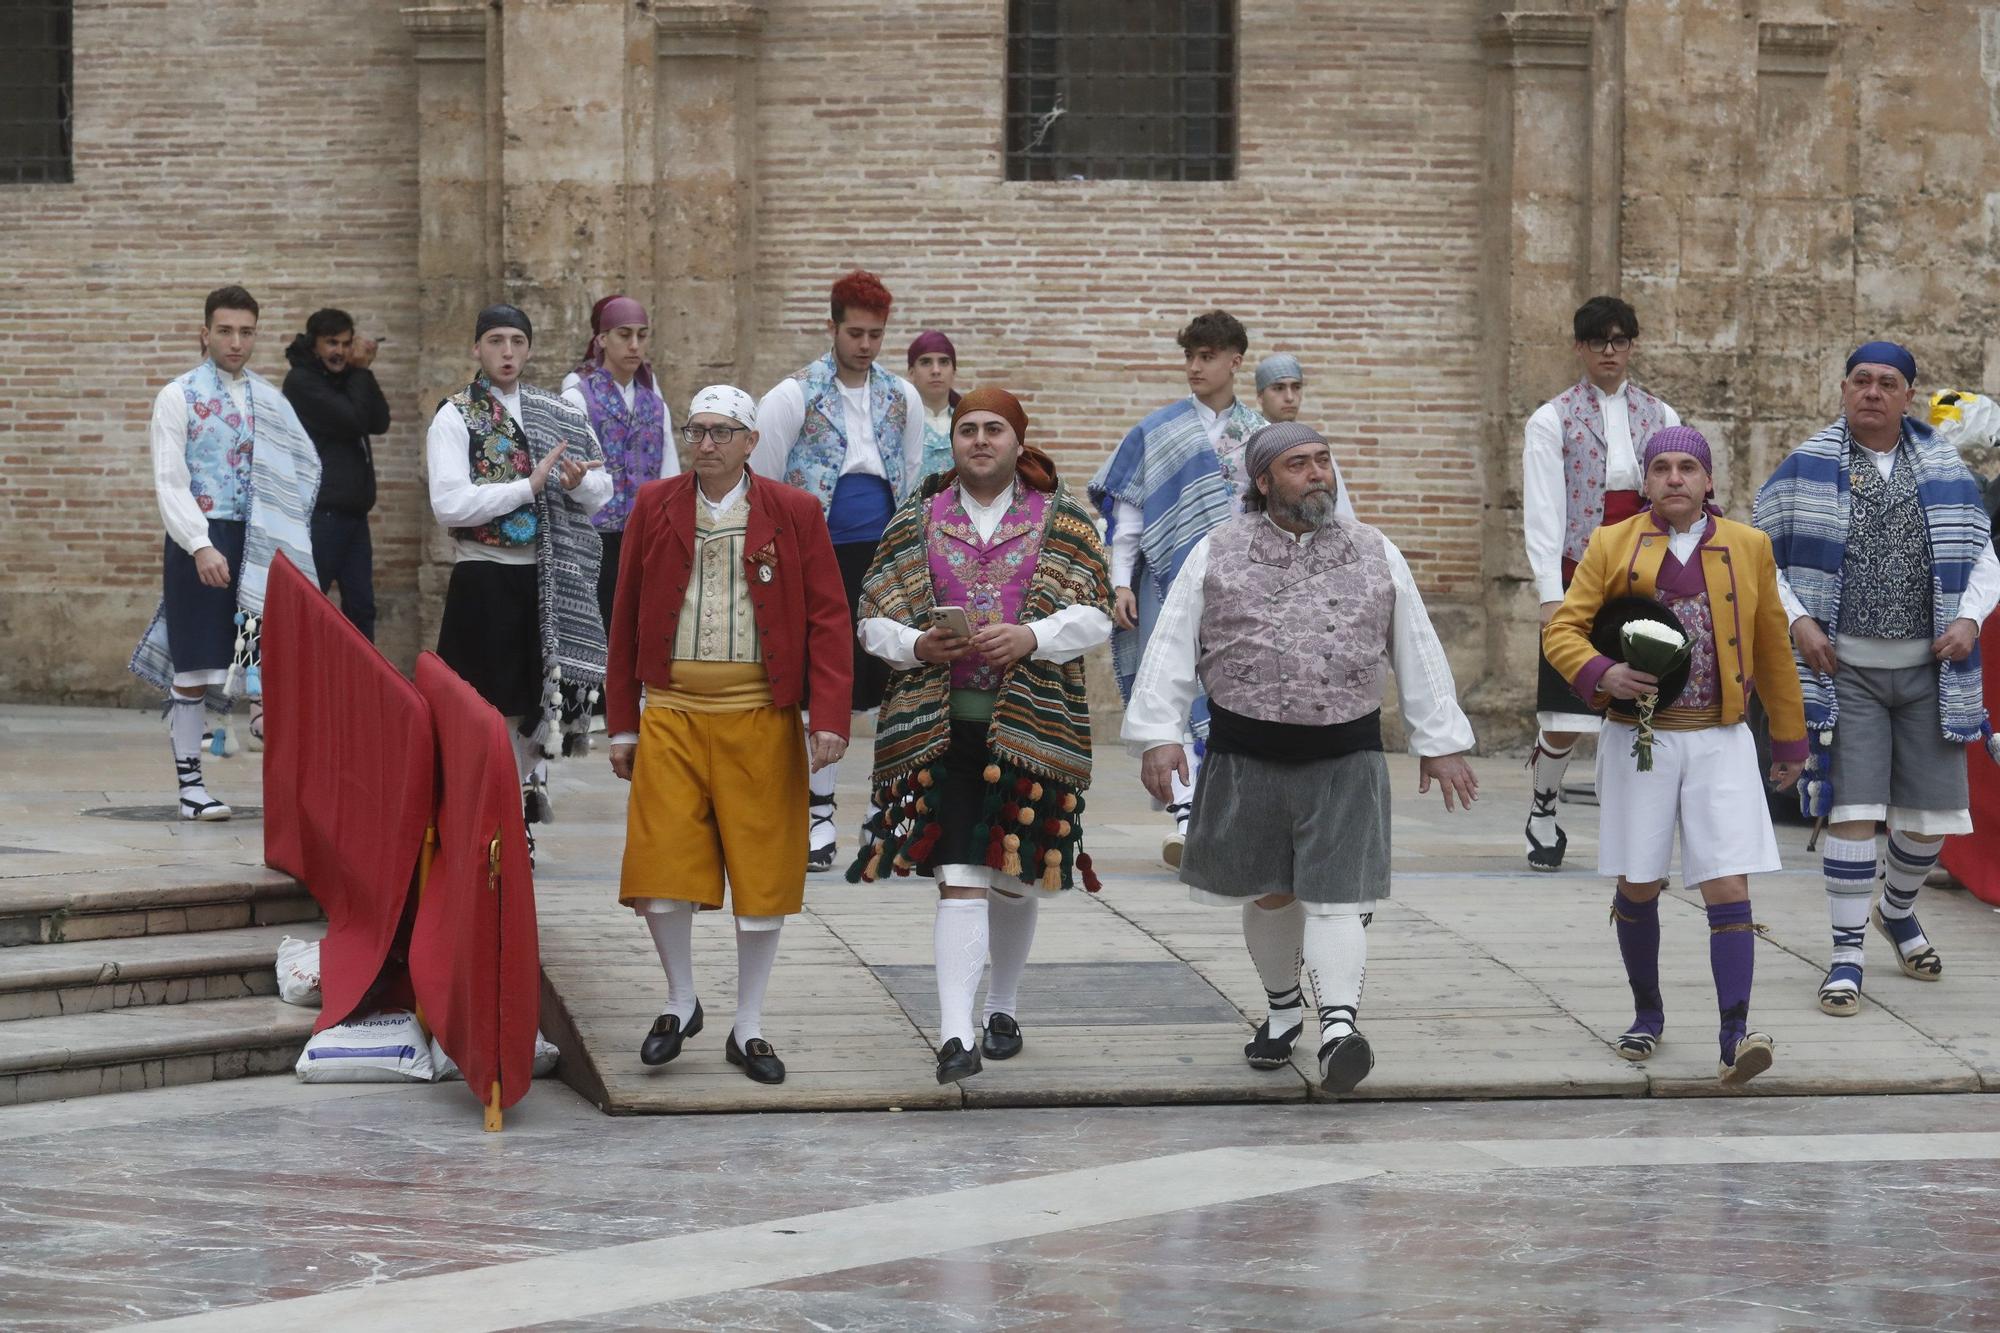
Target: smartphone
x,y
951,620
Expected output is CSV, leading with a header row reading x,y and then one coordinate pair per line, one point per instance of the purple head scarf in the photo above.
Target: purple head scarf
x,y
605,316
1681,440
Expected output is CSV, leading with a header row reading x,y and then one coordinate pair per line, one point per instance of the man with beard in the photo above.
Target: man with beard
x,y
848,432
1283,615
333,390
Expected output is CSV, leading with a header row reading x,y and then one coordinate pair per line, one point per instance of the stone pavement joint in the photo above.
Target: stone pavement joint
x,y
1485,980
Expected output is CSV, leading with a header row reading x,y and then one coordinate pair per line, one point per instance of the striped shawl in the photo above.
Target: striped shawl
x,y
1804,509
568,551
1041,719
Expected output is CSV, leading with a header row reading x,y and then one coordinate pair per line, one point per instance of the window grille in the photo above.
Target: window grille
x,y
1121,90
35,92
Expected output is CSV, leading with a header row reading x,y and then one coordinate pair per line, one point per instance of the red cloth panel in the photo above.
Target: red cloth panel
x,y
1974,860
349,766
474,957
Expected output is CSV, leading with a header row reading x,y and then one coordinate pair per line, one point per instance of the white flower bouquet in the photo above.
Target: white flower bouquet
x,y
1655,649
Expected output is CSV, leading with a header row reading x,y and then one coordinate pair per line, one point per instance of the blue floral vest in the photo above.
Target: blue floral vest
x,y
814,462
220,443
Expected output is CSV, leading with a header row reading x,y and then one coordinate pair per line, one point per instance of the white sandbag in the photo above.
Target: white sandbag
x,y
443,1067
389,1047
298,972
1966,420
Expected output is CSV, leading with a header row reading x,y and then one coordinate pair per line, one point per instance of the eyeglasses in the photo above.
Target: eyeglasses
x,y
1618,344
720,434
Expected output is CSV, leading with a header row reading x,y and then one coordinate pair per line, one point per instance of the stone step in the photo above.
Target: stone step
x,y
126,1050
110,905
90,976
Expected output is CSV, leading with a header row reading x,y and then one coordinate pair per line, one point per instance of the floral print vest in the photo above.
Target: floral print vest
x,y
221,439
817,455
1584,465
634,440
499,454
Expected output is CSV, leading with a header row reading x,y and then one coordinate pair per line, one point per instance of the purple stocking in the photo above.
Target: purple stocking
x,y
1639,941
1732,943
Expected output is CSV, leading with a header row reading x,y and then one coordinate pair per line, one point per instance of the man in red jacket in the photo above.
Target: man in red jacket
x,y
729,605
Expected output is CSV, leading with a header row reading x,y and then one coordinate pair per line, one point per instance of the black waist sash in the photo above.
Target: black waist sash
x,y
1290,742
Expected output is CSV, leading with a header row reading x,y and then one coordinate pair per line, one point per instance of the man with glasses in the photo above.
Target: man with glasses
x,y
1579,471
729,606
1886,568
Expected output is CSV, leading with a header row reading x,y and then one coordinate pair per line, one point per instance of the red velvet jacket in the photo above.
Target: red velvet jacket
x,y
803,628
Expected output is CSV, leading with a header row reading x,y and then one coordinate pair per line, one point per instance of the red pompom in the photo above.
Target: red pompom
x,y
1091,883
1009,813
1023,786
996,853
1052,827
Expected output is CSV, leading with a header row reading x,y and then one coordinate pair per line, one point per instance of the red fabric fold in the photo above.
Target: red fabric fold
x,y
1974,859
349,769
474,957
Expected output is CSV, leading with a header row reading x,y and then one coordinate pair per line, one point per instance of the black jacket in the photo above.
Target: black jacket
x,y
340,412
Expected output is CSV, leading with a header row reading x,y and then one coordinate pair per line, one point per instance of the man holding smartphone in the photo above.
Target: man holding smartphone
x,y
988,588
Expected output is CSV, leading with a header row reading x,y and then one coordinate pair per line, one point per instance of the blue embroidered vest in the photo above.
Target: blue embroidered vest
x,y
221,439
816,457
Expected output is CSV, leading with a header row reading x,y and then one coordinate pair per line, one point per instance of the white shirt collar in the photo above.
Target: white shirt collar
x,y
1205,412
1295,538
717,508
994,508
1603,396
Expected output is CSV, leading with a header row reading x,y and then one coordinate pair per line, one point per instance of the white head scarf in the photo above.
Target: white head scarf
x,y
726,400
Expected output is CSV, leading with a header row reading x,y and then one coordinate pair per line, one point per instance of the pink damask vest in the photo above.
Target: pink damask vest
x,y
1583,454
1295,631
988,578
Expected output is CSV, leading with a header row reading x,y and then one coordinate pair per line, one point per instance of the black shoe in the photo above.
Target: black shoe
x,y
1344,1063
1542,857
663,1043
955,1062
818,813
757,1059
1265,1051
531,848
820,858
1003,1038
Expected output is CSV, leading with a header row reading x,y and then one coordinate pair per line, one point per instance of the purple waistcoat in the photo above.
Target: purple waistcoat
x,y
1584,468
1684,591
1296,631
634,440
988,578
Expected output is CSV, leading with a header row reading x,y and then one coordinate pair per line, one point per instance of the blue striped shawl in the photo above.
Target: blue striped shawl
x,y
1167,467
1804,508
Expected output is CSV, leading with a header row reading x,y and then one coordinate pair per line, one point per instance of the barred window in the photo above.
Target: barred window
x,y
35,93
1121,90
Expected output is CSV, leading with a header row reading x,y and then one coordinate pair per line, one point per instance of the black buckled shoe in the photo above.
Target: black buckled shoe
x,y
1265,1051
1344,1063
1003,1038
663,1043
955,1062
756,1059
1545,856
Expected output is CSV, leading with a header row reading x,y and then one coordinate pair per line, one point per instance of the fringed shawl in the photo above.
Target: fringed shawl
x,y
1804,508
1041,719
568,551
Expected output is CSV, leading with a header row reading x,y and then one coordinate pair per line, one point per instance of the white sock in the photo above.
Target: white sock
x,y
1275,937
1546,771
1010,926
959,941
822,782
185,718
673,936
756,950
1904,869
1336,958
1183,800
1848,866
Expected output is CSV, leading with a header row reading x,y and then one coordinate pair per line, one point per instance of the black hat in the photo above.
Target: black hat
x,y
1607,635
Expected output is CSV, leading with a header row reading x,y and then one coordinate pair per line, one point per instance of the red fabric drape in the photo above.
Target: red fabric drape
x,y
349,766
1974,860
474,957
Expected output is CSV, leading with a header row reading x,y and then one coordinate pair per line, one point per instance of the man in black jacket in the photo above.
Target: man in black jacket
x,y
334,392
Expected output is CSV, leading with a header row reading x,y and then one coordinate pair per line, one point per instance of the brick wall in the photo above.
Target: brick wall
x,y
269,143
1349,237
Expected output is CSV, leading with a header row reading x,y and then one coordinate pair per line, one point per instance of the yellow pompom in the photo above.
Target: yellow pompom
x,y
1011,842
1069,801
1027,814
923,806
1035,792
1052,858
1062,828
992,773
924,778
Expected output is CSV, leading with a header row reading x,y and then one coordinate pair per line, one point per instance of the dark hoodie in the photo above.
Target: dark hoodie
x,y
340,412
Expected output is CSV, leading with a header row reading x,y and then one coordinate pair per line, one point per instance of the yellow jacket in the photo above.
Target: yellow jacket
x,y
1753,644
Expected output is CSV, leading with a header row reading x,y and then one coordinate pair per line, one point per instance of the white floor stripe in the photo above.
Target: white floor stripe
x,y
621,1277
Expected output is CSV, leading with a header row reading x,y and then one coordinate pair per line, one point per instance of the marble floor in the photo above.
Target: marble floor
x,y
264,1205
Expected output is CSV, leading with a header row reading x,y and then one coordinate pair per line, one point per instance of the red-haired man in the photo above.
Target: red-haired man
x,y
851,434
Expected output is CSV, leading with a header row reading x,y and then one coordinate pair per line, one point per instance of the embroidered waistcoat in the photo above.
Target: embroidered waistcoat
x,y
1295,631
817,455
1239,423
937,448
634,440
1584,464
718,621
499,454
1684,591
221,440
988,578
1887,581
